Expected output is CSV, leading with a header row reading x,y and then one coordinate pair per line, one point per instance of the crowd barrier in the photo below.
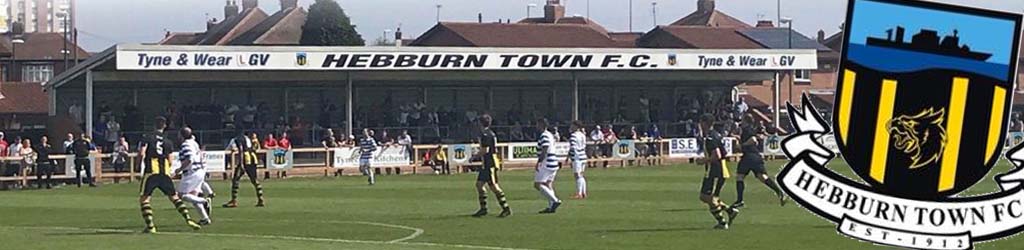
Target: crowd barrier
x,y
397,159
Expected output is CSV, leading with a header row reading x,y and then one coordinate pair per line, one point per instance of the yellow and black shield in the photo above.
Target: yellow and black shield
x,y
922,108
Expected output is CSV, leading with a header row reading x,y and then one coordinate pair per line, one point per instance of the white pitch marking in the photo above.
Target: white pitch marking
x,y
274,237
416,231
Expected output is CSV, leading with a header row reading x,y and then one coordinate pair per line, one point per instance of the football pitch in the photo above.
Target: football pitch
x,y
631,208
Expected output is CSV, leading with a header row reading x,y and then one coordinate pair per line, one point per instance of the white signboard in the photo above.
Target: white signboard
x,y
624,149
388,156
280,159
728,143
527,151
684,148
69,165
215,161
773,146
142,57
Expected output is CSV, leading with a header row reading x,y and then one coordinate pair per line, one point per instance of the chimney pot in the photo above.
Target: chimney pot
x,y
250,4
704,6
821,36
231,9
480,17
553,11
288,4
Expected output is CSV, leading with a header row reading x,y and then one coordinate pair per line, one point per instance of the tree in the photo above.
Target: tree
x,y
328,25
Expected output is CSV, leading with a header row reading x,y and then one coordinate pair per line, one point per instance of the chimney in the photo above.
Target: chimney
x,y
288,4
765,24
249,4
704,6
231,9
553,11
821,36
398,36
480,17
210,24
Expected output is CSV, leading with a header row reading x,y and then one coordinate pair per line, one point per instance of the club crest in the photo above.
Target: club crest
x,y
922,105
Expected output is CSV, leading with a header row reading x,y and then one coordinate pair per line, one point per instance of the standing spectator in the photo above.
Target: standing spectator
x,y
741,107
113,132
81,148
1016,124
100,131
3,145
405,140
28,155
44,165
596,137
67,143
609,140
120,154
329,141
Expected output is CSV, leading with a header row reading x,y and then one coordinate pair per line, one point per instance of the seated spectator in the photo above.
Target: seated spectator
x,y
596,138
270,142
284,142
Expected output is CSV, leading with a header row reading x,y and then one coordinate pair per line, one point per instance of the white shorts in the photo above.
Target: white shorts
x,y
545,174
192,181
579,166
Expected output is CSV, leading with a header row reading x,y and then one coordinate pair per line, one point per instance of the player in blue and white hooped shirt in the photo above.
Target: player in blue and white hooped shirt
x,y
578,157
547,167
367,145
193,175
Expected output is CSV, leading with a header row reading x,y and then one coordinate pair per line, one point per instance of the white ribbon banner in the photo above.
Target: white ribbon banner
x,y
954,223
387,156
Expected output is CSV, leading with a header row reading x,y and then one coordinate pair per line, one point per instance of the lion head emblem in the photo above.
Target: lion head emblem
x,y
920,136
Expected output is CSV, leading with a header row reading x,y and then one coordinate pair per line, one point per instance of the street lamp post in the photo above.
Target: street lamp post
x,y
630,15
654,12
64,26
792,76
528,8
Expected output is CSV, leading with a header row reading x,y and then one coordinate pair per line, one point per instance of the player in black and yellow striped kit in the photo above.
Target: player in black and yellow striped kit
x,y
715,175
488,174
155,153
247,147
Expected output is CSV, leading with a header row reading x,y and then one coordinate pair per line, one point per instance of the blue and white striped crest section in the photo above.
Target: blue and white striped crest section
x,y
190,151
578,146
547,139
366,147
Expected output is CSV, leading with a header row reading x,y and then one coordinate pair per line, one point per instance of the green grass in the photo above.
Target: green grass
x,y
634,208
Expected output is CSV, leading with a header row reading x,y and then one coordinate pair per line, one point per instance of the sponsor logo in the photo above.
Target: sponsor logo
x,y
923,99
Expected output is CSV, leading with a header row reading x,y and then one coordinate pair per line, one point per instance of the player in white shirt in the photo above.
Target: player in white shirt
x,y
547,167
193,176
578,158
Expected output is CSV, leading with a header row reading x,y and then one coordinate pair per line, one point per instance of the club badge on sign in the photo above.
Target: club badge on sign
x,y
923,98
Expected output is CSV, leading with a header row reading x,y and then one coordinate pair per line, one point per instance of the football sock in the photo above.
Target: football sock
x,y
147,214
259,189
740,188
581,185
234,190
200,206
549,194
483,201
206,189
501,199
774,186
182,209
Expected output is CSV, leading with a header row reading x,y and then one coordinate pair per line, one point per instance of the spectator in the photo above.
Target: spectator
x,y
284,142
270,142
609,140
3,145
329,141
113,132
28,155
593,150
67,143
81,148
742,107
385,139
437,159
14,150
1016,124
44,165
405,140
120,157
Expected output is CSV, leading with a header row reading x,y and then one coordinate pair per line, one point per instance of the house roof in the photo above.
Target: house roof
x,y
23,98
43,47
520,35
282,28
697,37
779,38
179,38
712,18
835,42
229,29
566,20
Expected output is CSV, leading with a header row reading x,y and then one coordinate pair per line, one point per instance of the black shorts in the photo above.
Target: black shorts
x,y
751,165
488,175
712,186
158,181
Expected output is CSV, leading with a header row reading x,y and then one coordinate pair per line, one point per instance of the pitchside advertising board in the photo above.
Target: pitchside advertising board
x,y
143,57
215,161
385,156
527,151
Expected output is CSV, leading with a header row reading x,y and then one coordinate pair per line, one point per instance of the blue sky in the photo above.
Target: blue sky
x,y
982,34
105,22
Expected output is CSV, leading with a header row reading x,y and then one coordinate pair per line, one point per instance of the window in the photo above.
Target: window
x,y
802,76
37,73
